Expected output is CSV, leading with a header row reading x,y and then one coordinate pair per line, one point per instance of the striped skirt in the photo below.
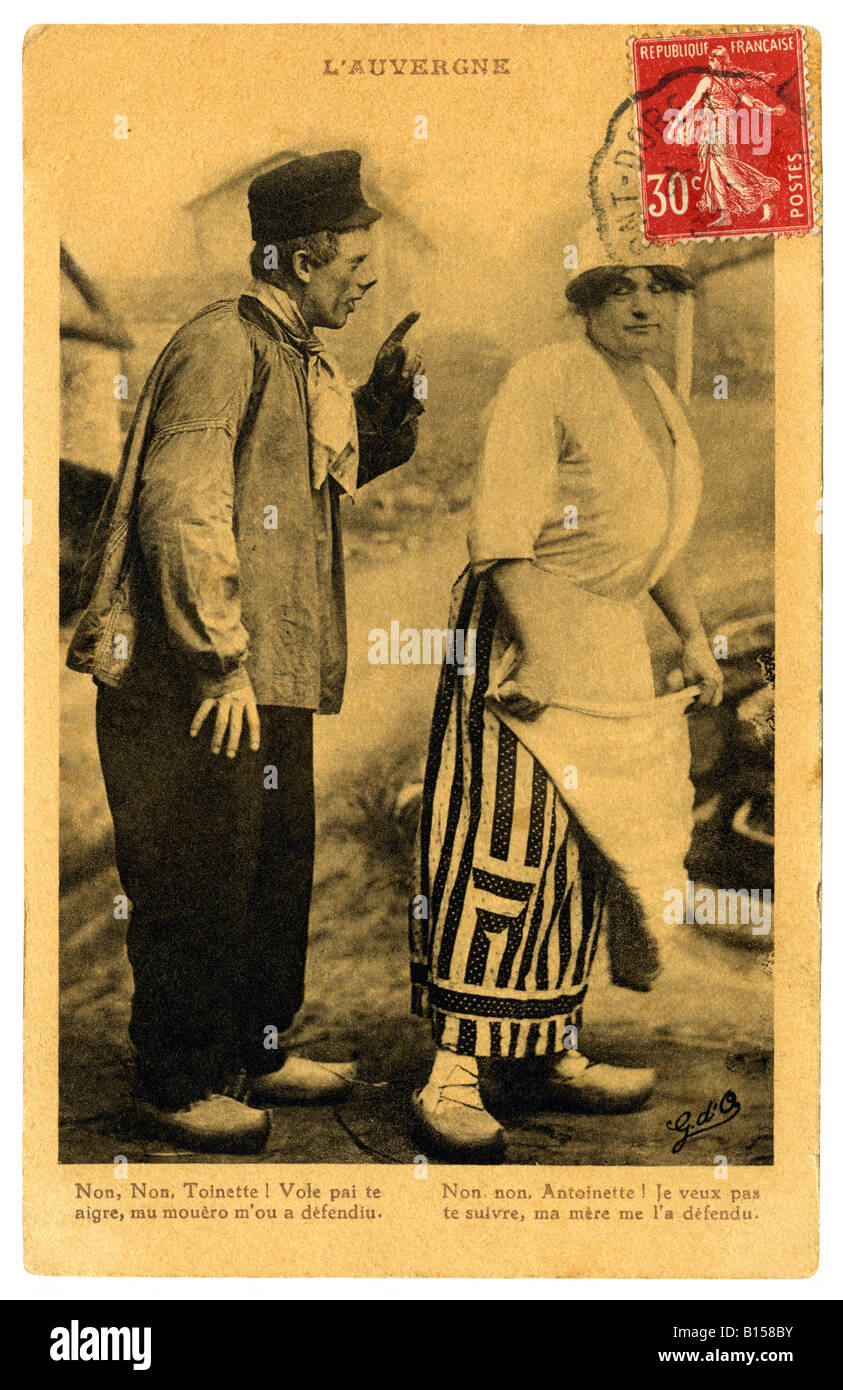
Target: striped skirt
x,y
511,891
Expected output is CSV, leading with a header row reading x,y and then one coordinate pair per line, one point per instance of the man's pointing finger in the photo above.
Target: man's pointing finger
x,y
403,327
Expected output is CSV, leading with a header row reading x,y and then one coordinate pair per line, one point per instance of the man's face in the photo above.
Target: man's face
x,y
333,290
630,320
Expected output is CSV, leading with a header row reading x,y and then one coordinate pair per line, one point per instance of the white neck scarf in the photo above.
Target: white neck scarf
x,y
331,417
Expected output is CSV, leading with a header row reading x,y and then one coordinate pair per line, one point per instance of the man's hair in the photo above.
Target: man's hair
x,y
593,287
320,248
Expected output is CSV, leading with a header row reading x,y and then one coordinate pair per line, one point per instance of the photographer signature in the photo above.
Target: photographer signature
x,y
715,1113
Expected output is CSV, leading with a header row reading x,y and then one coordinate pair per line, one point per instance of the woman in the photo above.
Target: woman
x,y
557,790
731,186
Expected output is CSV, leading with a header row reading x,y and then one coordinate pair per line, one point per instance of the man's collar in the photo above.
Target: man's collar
x,y
286,312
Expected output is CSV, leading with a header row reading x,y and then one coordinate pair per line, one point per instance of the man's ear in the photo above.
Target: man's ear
x,y
301,266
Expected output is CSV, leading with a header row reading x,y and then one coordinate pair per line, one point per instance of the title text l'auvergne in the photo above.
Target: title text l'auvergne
x,y
416,67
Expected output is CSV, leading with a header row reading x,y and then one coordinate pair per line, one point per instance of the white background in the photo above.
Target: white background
x,y
14,1281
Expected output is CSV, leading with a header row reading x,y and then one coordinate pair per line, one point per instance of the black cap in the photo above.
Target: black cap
x,y
313,194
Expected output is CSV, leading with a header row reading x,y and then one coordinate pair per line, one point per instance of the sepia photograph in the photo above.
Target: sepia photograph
x,y
423,427
602,709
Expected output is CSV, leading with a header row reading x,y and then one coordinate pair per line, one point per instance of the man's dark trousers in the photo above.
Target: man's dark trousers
x,y
216,857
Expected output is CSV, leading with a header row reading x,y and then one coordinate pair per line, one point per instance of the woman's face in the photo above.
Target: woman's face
x,y
630,321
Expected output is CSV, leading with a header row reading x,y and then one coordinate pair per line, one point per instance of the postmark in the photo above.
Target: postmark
x,y
723,135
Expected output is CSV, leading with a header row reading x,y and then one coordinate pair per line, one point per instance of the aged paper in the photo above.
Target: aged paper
x,y
554,289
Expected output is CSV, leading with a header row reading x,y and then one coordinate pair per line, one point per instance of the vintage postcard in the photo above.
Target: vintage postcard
x,y
422,489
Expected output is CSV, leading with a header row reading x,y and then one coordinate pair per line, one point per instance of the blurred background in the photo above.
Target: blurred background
x,y
488,292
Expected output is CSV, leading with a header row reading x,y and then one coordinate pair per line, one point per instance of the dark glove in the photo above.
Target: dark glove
x,y
392,382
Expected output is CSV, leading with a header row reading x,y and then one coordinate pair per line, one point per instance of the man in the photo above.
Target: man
x,y
214,627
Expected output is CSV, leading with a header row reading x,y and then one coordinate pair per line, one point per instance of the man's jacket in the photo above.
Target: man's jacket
x,y
186,589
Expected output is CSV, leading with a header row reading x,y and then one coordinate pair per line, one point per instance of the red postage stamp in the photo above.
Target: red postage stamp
x,y
723,135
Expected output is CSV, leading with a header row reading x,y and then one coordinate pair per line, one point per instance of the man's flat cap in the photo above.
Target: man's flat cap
x,y
313,194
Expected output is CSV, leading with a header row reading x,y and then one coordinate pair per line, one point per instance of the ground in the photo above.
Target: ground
x,y
707,1026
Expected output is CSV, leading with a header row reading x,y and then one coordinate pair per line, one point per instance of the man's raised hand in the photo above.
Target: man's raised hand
x,y
394,374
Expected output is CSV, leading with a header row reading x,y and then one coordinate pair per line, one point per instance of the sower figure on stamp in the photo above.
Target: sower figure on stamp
x,y
557,795
731,185
214,628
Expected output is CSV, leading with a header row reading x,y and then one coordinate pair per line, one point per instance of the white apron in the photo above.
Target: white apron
x,y
618,754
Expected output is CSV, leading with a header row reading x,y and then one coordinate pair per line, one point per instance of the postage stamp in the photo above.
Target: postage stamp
x,y
723,135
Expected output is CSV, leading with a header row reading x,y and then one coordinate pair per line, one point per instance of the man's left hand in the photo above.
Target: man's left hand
x,y
394,374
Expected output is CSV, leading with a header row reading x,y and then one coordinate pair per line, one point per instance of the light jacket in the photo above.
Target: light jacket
x,y
186,590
